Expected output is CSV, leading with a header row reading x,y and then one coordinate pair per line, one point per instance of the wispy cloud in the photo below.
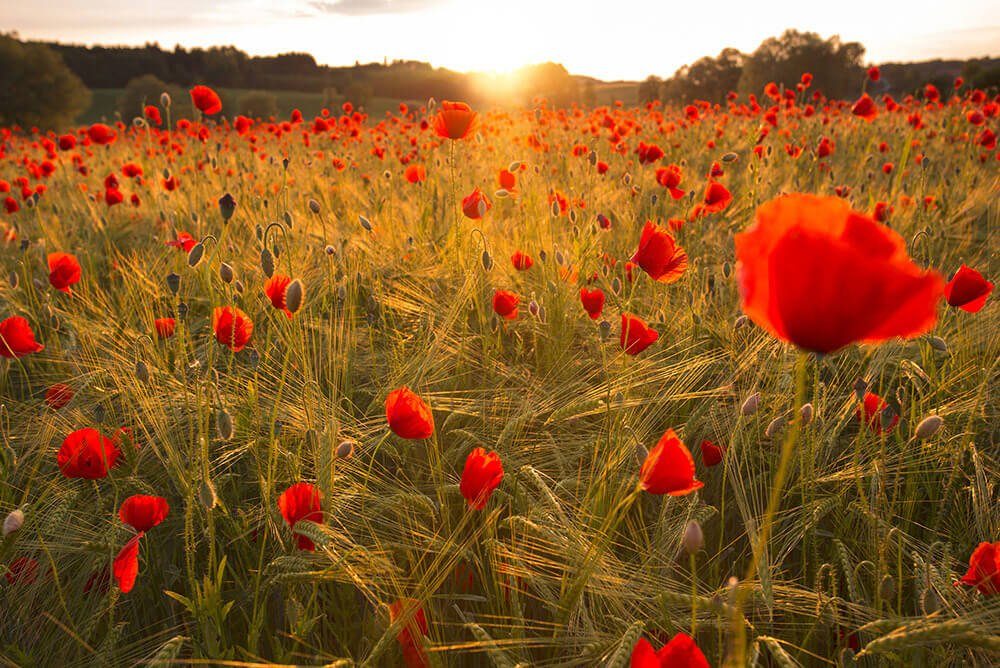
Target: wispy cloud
x,y
370,7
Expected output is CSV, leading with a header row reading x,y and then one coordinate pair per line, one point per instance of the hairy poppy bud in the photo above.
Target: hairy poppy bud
x,y
616,285
289,221
773,426
887,588
239,286
730,157
13,522
533,307
195,254
937,343
750,404
555,208
165,100
206,494
741,322
605,329
227,206
294,295
806,412
266,262
693,538
501,193
313,205
329,250
226,273
487,261
224,424
173,282
514,166
345,449
928,427
727,269
365,223
142,371
12,278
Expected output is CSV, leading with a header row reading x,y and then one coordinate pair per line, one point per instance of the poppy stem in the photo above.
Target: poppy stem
x,y
694,593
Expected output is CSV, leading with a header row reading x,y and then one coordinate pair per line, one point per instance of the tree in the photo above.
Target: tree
x,y
835,65
706,79
147,89
650,89
38,88
258,104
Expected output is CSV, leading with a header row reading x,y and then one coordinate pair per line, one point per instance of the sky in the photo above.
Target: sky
x,y
607,39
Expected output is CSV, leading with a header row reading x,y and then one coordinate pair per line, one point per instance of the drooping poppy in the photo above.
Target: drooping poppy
x,y
967,290
206,100
521,261
871,413
86,453
711,454
659,255
505,304
636,335
869,290
482,474
476,204
984,569
593,302
164,327
184,242
669,468
275,289
64,271
125,567
58,395
455,120
408,415
301,501
232,327
17,339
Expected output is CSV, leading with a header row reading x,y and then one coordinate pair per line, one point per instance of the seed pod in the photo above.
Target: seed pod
x,y
693,539
13,522
806,413
487,260
142,371
750,404
206,495
313,205
266,262
294,295
224,424
928,427
227,206
197,252
773,426
345,449
226,273
173,282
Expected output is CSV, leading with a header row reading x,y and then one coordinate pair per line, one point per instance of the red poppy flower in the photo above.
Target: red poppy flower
x,y
521,261
275,289
143,512
232,327
593,302
17,339
415,173
58,395
411,636
184,242
984,569
125,567
967,290
86,453
301,501
870,412
23,570
670,177
455,120
873,73
152,114
64,271
408,415
67,142
100,133
505,304
717,198
164,327
659,255
865,108
508,181
636,335
711,454
680,652
869,289
482,474
113,196
476,204
206,100
669,468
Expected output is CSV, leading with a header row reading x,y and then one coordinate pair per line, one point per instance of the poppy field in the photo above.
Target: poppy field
x,y
654,386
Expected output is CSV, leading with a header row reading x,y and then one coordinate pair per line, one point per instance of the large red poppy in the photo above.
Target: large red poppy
x,y
659,255
86,453
669,468
455,120
967,290
680,652
301,501
636,335
868,290
64,271
206,100
482,474
984,569
17,339
232,327
142,512
408,415
505,304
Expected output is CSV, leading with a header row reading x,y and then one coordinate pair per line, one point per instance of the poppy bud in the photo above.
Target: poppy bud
x,y
806,413
142,371
239,286
345,449
555,208
313,205
627,179
888,417
226,273
730,157
727,269
653,199
173,282
487,261
641,452
224,424
605,329
533,307
560,260
259,231
206,494
266,262
740,322
227,206
616,285
329,250
289,221
542,255
13,522
592,158
694,538
501,193
276,251
165,100
937,343
294,295
773,426
514,166
194,256
887,588
751,404
928,427
13,279
365,223
860,388
182,310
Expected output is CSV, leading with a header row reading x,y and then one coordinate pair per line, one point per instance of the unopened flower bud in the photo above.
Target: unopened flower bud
x,y
750,404
294,295
928,427
806,412
693,538
13,522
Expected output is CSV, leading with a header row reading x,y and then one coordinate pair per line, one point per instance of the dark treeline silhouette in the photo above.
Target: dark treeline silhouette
x,y
837,68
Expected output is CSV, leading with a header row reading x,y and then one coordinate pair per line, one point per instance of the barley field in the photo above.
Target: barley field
x,y
455,387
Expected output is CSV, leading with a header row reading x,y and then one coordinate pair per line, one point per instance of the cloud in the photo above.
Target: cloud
x,y
370,7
